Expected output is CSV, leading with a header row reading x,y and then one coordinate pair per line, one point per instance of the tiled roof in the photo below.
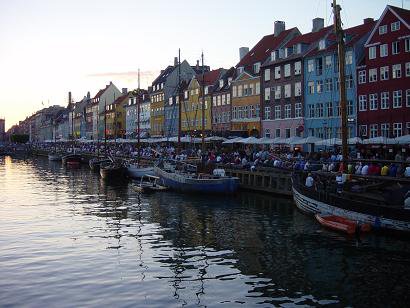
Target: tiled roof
x,y
403,13
308,38
263,48
100,92
210,77
163,75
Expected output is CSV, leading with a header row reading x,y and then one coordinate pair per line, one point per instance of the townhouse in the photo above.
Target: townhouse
x,y
246,87
142,100
321,84
283,84
383,90
115,115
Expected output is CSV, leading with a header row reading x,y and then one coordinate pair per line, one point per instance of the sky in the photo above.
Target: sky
x,y
50,47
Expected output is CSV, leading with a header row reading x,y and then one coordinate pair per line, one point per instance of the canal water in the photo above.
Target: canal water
x,y
68,239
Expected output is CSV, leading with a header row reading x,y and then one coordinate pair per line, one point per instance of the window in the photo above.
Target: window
x,y
228,98
298,88
218,100
319,86
350,109
223,98
311,65
322,44
311,111
328,62
298,67
240,70
382,29
407,69
319,110
267,74
373,130
277,133
407,45
384,73
373,101
277,72
287,70
384,129
329,108
234,113
240,90
287,91
408,98
319,66
395,26
362,102
349,81
287,111
396,71
278,112
267,113
267,94
373,75
257,67
395,48
267,133
362,77
311,87
384,50
384,100
337,85
372,52
328,85
277,92
397,129
298,110
258,88
363,130
287,132
397,99
349,57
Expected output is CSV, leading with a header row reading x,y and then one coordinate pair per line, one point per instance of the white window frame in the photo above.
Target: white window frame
x,y
298,110
287,90
287,70
372,52
395,26
373,75
384,50
267,74
362,102
298,68
382,29
278,112
395,48
278,92
288,111
277,72
298,89
397,127
311,65
384,73
396,71
373,101
384,100
397,99
267,94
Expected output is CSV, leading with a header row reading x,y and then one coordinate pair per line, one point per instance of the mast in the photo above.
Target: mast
x,y
136,93
115,121
98,134
179,101
203,104
72,129
105,126
342,89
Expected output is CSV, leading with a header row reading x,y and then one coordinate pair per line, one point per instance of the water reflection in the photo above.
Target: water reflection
x,y
171,249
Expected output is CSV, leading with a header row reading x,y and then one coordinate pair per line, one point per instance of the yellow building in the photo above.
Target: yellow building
x,y
115,117
157,113
192,107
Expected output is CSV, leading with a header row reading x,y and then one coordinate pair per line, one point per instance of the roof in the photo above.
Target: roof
x,y
353,34
121,98
264,47
309,38
100,92
402,14
163,75
210,77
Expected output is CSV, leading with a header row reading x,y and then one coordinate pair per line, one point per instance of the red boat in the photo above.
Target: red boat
x,y
342,224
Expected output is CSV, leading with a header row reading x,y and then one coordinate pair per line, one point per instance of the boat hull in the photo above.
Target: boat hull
x,y
312,206
54,157
342,224
181,182
95,163
136,172
71,158
112,173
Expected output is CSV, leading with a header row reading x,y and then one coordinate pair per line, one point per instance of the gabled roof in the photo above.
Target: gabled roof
x,y
309,38
226,75
121,98
100,92
263,48
163,75
402,14
210,77
353,34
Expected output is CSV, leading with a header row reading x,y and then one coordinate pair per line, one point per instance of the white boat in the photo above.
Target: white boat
x,y
150,184
136,171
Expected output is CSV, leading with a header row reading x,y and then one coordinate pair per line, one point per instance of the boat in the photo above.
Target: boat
x,y
136,171
96,162
342,224
193,182
71,159
112,171
149,184
54,156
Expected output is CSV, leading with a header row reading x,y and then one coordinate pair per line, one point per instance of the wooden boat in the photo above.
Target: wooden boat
x,y
112,171
342,224
192,182
71,158
54,156
73,164
96,162
136,171
150,184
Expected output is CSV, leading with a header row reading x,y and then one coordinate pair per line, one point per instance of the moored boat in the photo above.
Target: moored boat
x,y
136,171
54,156
71,158
342,224
112,171
149,184
96,162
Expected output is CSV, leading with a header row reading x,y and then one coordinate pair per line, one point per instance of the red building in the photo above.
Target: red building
x,y
383,83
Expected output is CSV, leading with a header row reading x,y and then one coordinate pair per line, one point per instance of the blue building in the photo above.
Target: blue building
x,y
321,83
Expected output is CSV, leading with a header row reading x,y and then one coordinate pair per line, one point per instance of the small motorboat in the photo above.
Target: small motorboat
x,y
137,171
96,162
112,171
149,184
342,224
54,156
72,159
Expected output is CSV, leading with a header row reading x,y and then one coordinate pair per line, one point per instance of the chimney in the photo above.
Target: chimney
x,y
149,89
124,90
367,20
197,64
175,61
69,99
242,52
278,27
88,95
317,24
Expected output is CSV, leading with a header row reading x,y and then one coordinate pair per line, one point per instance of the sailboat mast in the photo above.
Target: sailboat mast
x,y
98,134
105,126
203,104
342,81
138,120
179,100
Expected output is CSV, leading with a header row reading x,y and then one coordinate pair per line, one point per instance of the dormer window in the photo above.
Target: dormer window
x,y
322,44
286,52
395,26
206,90
229,80
297,48
273,55
240,70
221,83
281,53
257,67
186,94
170,101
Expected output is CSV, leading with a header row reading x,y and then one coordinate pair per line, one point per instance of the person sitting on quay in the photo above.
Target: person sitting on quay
x,y
385,170
365,170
